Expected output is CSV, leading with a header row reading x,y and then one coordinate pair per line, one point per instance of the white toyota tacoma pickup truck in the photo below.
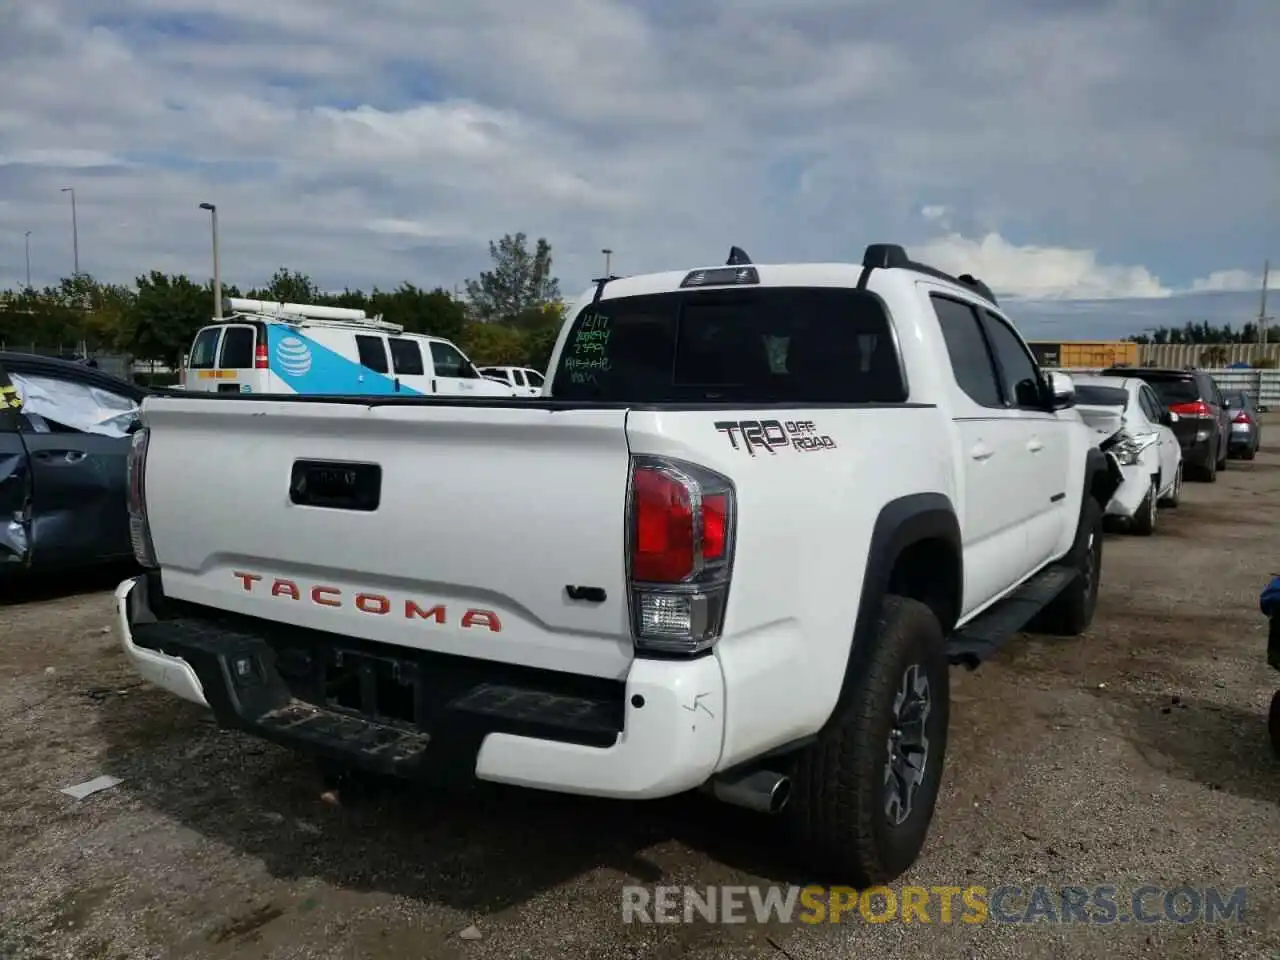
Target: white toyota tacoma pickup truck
x,y
734,546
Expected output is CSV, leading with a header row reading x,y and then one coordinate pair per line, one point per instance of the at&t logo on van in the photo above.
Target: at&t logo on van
x,y
293,356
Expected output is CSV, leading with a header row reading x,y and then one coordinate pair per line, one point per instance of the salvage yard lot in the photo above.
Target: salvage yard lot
x,y
1135,755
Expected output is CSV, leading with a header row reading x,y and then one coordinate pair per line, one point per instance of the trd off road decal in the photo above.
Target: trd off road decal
x,y
775,435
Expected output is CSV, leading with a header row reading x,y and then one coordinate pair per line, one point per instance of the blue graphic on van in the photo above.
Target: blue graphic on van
x,y
310,367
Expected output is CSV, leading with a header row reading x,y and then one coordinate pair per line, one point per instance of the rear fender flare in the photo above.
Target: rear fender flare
x,y
901,523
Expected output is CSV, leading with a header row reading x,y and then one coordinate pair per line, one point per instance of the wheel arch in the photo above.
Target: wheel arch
x,y
916,550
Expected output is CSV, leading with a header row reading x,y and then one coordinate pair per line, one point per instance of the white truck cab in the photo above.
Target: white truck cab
x,y
265,347
734,547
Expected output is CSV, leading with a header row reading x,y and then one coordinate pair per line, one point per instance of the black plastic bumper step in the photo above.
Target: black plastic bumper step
x,y
305,721
977,640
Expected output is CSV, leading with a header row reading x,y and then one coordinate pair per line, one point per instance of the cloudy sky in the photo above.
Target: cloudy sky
x,y
1116,162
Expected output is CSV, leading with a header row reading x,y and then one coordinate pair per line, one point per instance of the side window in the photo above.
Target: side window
x,y
517,377
535,378
373,352
237,348
406,357
1150,405
204,351
967,348
448,362
1021,379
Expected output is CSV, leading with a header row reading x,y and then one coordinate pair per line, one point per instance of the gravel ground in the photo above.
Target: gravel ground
x,y
1135,755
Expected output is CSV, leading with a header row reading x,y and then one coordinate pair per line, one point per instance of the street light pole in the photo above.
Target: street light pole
x,y
217,275
27,240
608,257
75,230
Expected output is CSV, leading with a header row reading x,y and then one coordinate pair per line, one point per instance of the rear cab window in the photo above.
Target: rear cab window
x,y
767,344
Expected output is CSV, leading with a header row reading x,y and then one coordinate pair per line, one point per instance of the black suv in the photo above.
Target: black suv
x,y
1201,421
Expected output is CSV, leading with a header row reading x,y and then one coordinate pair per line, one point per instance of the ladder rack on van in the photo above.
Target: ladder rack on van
x,y
306,314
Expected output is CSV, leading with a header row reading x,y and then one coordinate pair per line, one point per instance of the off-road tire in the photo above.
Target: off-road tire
x,y
1175,497
837,814
1070,612
1144,521
1273,723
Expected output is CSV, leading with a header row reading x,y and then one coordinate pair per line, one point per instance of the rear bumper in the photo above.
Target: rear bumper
x,y
425,716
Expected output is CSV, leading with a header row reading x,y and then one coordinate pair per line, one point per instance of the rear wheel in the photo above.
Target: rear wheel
x,y
1071,612
1222,461
1209,471
863,795
1144,521
1249,453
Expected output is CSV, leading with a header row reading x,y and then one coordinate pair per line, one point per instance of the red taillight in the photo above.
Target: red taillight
x,y
715,510
682,534
663,551
1240,417
1197,409
260,357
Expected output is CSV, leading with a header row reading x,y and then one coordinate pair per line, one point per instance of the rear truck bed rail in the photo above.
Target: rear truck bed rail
x,y
422,715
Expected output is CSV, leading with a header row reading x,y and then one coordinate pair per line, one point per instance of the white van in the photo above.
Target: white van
x,y
527,382
265,347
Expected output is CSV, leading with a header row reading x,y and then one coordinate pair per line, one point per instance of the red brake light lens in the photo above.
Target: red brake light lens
x,y
1241,417
1197,409
260,357
663,551
714,519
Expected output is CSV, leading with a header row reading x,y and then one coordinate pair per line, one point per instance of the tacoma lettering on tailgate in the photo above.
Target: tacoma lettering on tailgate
x,y
377,604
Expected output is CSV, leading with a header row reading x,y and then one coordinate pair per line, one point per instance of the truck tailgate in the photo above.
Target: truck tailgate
x,y
485,516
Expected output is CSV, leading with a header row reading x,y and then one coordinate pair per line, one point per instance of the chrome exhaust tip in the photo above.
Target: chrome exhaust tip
x,y
760,790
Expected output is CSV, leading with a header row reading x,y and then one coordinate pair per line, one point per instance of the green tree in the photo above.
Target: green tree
x,y
433,312
165,315
519,282
492,344
288,286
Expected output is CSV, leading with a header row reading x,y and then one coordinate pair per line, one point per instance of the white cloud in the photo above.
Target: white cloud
x,y
1045,273
377,143
1228,281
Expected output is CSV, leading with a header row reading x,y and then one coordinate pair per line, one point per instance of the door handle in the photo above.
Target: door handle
x,y
59,456
981,452
1035,445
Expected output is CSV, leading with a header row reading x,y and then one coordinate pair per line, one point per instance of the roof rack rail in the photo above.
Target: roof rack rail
x,y
887,256
299,314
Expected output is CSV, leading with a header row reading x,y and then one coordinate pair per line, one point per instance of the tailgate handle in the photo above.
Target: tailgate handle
x,y
590,594
336,485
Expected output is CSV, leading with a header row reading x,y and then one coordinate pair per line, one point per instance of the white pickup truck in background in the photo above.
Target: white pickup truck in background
x,y
735,547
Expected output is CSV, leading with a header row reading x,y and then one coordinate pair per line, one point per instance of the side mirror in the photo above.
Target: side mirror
x,y
1166,418
1062,390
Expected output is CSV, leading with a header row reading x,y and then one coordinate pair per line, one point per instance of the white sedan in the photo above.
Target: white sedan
x,y
1133,425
